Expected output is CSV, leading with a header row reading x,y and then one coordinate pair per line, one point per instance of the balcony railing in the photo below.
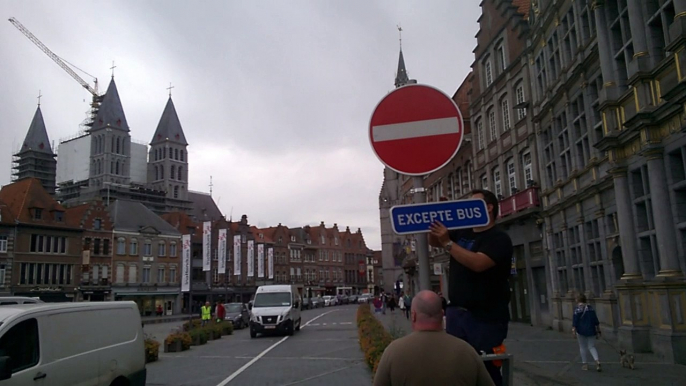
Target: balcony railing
x,y
519,201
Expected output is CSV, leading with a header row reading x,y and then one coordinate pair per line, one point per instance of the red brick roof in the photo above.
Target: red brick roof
x,y
27,194
181,221
523,7
6,216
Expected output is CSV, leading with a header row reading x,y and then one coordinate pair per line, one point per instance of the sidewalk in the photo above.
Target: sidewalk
x,y
546,357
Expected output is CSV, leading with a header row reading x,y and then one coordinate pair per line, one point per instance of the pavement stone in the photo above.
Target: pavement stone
x,y
545,357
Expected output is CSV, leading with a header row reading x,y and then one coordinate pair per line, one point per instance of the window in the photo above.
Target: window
x,y
549,157
176,154
621,41
37,214
172,272
160,275
484,182
147,248
492,126
96,246
3,244
480,134
146,274
161,249
3,271
106,247
97,224
20,343
181,154
594,246
172,249
120,274
528,168
502,64
180,171
121,246
505,106
541,75
489,73
96,273
497,183
104,271
59,216
520,100
512,176
134,247
561,258
564,147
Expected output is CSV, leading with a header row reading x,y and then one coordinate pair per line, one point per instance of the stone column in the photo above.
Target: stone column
x,y
608,268
662,214
584,258
604,48
626,224
679,8
638,34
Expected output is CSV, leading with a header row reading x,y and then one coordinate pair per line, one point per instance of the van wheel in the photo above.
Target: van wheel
x,y
253,334
121,381
290,330
299,323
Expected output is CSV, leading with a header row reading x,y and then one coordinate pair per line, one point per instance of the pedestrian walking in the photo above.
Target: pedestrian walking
x,y
378,304
407,299
205,314
401,303
220,312
586,328
480,261
391,303
444,360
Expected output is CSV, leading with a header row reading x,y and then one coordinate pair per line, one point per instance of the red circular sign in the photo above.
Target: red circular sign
x,y
416,129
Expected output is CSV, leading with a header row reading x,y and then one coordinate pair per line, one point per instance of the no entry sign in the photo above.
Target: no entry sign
x,y
416,129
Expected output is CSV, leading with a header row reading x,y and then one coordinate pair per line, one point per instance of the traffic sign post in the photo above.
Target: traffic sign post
x,y
416,130
416,218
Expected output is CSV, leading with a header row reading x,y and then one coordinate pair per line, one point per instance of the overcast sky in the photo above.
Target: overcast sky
x,y
274,96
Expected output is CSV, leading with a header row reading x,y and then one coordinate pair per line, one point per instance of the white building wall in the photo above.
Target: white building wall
x,y
73,159
139,163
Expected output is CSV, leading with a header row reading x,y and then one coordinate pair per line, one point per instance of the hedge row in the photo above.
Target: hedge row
x,y
194,335
374,338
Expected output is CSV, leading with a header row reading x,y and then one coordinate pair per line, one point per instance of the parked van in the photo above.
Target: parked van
x,y
276,308
11,300
70,344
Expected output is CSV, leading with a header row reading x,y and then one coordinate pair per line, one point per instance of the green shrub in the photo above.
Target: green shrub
x,y
198,336
152,350
183,337
374,338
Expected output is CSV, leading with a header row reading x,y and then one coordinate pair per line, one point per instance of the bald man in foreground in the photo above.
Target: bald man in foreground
x,y
429,356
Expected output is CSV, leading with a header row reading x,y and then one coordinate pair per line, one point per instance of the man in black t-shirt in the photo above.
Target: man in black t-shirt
x,y
478,287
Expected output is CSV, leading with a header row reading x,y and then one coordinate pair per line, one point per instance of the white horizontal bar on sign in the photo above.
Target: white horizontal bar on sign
x,y
415,129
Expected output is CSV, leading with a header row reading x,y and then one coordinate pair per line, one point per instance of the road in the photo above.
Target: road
x,y
324,352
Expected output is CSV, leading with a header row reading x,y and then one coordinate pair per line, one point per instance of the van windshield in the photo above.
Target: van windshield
x,y
272,299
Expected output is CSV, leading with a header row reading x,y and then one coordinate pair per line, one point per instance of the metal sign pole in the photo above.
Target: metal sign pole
x,y
422,240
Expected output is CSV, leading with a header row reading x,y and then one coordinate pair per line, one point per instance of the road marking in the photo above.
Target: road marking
x,y
323,324
317,376
314,324
263,353
346,323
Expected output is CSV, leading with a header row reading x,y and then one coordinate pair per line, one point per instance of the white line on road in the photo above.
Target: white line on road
x,y
263,353
346,323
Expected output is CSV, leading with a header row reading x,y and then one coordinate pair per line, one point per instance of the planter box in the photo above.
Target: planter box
x,y
176,346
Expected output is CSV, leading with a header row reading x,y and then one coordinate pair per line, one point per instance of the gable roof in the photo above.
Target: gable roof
x,y
169,128
6,216
131,216
204,207
37,137
111,112
26,194
76,214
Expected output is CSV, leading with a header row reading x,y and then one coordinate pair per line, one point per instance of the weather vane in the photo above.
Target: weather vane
x,y
112,68
170,88
39,96
400,34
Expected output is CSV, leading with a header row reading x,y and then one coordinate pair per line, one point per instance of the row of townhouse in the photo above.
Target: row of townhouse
x,y
577,116
317,259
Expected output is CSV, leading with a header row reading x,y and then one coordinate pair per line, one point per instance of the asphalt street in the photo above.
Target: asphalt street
x,y
324,352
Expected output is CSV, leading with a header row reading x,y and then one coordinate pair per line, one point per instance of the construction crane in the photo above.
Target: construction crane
x,y
97,98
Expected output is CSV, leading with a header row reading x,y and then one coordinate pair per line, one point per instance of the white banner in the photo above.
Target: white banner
x,y
260,260
251,258
222,251
206,246
270,257
185,263
237,255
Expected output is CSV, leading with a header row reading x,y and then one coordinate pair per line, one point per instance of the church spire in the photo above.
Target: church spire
x,y
401,77
36,159
111,113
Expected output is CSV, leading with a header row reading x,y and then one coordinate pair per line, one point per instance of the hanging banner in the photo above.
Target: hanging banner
x,y
237,255
270,258
260,260
251,258
222,251
206,246
185,263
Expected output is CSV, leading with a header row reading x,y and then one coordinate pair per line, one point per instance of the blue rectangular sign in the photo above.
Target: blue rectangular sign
x,y
416,218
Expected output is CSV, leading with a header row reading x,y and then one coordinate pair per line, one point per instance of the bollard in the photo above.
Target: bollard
x,y
507,368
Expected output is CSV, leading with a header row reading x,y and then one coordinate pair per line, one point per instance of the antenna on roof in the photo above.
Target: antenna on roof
x,y
211,186
231,214
400,34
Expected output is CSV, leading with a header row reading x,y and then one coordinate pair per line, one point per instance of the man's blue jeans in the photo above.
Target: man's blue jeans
x,y
482,335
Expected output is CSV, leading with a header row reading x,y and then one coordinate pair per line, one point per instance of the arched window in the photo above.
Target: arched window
x,y
180,174
176,192
161,172
511,176
118,145
111,145
176,154
157,174
497,182
181,155
173,172
116,169
112,167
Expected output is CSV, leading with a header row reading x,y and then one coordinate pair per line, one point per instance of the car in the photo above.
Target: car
x,y
10,300
329,301
275,308
238,314
93,343
317,302
307,303
364,298
352,299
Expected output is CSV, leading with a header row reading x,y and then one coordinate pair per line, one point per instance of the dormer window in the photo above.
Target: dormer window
x,y
59,216
335,240
323,240
97,224
292,239
309,242
280,239
261,235
37,214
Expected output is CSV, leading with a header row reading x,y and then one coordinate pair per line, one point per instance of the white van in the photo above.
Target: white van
x,y
276,308
12,300
70,344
